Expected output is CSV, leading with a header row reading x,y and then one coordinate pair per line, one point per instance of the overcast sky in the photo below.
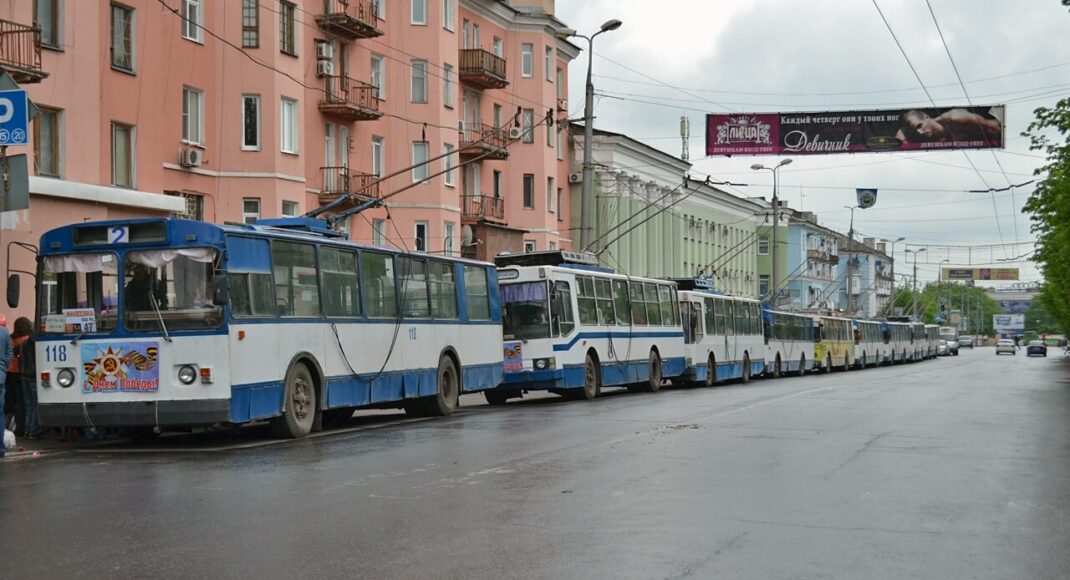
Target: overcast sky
x,y
786,55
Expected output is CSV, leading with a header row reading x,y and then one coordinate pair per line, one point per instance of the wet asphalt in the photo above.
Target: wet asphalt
x,y
951,468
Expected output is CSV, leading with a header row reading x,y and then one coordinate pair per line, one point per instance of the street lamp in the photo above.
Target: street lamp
x,y
775,282
939,282
891,255
914,292
587,191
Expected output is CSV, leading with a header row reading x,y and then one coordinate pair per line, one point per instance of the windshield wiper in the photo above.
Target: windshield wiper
x,y
159,316
78,337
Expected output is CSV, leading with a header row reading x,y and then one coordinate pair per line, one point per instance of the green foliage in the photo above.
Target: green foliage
x,y
1039,321
1049,207
976,307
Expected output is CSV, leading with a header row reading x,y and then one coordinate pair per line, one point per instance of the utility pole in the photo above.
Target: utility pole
x,y
775,282
914,292
850,261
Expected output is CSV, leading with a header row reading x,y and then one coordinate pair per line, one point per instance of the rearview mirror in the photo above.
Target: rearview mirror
x,y
219,290
13,291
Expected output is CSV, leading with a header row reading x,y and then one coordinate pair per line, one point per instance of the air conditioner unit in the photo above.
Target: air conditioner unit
x,y
575,177
324,50
190,157
562,104
515,133
324,68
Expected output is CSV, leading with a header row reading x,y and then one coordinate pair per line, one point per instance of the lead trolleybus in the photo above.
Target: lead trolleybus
x,y
157,322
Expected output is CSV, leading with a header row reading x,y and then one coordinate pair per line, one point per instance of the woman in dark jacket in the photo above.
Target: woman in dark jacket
x,y
27,366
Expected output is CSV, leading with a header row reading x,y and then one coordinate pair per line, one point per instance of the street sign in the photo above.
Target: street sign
x,y
17,195
8,84
14,118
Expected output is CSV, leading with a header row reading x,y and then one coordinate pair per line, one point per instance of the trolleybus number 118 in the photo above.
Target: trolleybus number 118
x,y
56,353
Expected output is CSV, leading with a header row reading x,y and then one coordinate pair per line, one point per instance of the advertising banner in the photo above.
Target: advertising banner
x,y
942,128
979,274
120,367
514,356
1008,323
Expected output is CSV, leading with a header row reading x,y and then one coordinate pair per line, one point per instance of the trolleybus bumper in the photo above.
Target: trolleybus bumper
x,y
135,413
566,378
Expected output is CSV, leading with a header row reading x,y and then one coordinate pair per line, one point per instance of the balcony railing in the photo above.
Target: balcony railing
x,y
482,69
349,99
20,52
342,181
483,208
478,139
350,19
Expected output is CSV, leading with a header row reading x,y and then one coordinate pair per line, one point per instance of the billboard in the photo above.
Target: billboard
x,y
979,274
1008,323
855,131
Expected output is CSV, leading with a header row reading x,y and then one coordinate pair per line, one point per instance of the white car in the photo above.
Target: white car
x,y
941,348
1006,345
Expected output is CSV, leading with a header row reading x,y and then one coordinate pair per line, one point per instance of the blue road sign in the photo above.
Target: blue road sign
x,y
14,121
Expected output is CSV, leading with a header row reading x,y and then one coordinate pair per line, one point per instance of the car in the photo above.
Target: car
x,y
1036,347
942,349
1006,345
966,341
952,346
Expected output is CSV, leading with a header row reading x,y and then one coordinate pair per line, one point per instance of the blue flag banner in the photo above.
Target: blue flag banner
x,y
866,197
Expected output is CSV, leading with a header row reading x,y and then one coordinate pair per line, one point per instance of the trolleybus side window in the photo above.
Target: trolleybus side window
x,y
341,285
711,318
443,291
562,317
603,290
380,296
296,287
623,305
638,305
414,292
173,284
653,308
476,294
666,296
249,270
586,300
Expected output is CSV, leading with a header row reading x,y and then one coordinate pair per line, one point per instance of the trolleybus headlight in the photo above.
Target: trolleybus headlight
x,y
542,364
187,374
65,378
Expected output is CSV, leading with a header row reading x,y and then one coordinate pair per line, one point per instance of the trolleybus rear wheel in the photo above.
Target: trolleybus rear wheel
x,y
653,382
711,371
828,363
802,366
449,389
299,405
776,368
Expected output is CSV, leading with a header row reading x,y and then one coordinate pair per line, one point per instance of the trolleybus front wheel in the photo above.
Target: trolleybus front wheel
x,y
298,406
711,371
746,368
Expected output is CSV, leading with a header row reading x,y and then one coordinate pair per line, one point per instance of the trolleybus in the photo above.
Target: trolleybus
x,y
789,340
723,334
833,343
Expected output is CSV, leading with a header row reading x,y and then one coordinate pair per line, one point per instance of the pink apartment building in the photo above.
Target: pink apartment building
x,y
233,110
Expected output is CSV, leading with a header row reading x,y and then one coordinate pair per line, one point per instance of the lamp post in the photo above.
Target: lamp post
x,y
587,190
939,283
914,292
775,282
891,254
850,262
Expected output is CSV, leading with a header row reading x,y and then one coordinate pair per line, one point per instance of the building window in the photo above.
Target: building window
x,y
527,59
529,125
123,155
447,86
289,126
287,28
419,81
552,246
763,245
551,195
47,15
378,232
192,116
380,9
420,239
378,79
560,212
250,23
194,206
192,20
419,11
549,135
496,183
448,162
250,109
560,146
419,161
549,63
47,142
250,210
289,209
763,285
529,191
529,246
122,37
447,243
377,156
497,47
449,15
561,84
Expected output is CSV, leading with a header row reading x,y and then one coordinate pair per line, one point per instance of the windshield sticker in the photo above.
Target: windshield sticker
x,y
79,320
54,323
120,367
514,358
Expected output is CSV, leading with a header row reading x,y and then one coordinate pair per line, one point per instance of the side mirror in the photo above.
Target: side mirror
x,y
219,290
13,291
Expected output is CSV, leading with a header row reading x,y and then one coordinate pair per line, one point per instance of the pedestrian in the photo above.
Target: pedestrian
x,y
5,357
27,364
14,381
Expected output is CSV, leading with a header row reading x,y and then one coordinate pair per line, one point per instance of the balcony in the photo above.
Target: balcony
x,y
341,181
482,208
477,139
349,100
482,69
20,52
350,19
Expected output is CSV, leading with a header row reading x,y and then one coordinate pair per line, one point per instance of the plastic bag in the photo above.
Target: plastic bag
x,y
9,439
